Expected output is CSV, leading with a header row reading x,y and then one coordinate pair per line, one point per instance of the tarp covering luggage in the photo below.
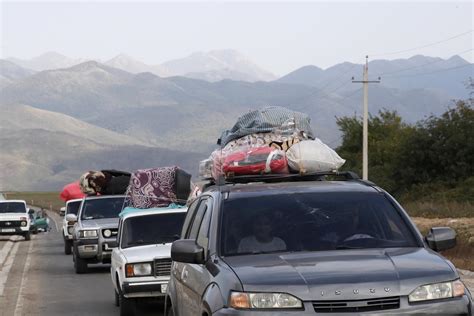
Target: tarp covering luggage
x,y
158,187
267,120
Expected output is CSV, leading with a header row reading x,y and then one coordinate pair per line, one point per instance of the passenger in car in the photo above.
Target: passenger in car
x,y
262,239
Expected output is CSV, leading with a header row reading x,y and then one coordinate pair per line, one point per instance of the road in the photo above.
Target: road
x,y
37,278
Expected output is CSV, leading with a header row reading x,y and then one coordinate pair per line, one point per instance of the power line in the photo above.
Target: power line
x,y
423,46
432,72
422,65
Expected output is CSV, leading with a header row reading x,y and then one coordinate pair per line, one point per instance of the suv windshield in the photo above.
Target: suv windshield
x,y
152,229
102,208
73,207
12,207
312,222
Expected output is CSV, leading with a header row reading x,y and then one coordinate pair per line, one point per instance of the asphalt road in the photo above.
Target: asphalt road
x,y
37,278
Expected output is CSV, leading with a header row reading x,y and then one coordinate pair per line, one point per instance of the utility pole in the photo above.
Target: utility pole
x,y
365,132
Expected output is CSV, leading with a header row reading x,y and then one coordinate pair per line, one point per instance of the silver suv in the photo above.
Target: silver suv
x,y
95,231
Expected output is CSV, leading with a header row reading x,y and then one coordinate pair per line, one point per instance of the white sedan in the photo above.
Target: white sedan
x,y
141,263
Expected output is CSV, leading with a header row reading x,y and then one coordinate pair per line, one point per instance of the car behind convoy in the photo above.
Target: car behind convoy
x,y
72,207
309,246
141,263
14,218
95,230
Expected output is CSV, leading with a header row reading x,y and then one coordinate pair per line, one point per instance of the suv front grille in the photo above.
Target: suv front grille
x,y
11,224
162,267
373,304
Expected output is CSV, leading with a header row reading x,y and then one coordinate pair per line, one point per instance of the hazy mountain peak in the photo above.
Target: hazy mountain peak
x,y
12,71
218,65
46,61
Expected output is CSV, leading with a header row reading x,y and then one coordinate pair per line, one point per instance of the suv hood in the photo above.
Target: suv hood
x,y
100,223
147,253
318,275
12,216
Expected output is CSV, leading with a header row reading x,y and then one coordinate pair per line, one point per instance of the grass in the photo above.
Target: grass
x,y
47,200
442,209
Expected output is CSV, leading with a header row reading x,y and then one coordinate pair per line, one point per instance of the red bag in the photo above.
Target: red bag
x,y
256,160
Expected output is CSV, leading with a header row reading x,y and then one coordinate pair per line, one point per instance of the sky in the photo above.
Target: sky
x,y
278,36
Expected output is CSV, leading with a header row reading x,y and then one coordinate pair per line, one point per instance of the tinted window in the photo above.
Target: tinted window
x,y
73,207
102,208
192,234
312,222
189,217
12,207
152,229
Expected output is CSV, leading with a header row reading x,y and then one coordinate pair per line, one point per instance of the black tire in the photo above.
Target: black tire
x,y
127,305
117,299
169,311
80,265
67,247
28,236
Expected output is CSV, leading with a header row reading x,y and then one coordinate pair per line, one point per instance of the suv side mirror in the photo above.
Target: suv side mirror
x,y
62,211
31,211
441,238
71,218
187,251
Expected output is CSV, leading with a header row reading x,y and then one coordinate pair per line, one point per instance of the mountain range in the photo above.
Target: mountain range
x,y
57,123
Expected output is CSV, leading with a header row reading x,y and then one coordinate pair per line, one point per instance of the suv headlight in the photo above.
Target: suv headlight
x,y
138,269
88,234
437,291
242,300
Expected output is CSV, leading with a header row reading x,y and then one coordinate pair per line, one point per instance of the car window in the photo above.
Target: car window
x,y
203,233
189,217
73,207
312,222
12,207
196,222
151,229
102,208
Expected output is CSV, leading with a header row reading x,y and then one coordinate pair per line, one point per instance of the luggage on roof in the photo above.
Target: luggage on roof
x,y
158,187
104,182
267,120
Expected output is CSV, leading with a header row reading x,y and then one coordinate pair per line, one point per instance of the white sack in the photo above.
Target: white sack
x,y
313,156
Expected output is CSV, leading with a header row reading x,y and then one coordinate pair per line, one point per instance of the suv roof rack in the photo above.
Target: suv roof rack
x,y
315,176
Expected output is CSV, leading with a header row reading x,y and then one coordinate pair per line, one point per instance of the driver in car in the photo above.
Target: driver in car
x,y
262,239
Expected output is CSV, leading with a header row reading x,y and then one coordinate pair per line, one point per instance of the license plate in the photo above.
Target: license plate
x,y
8,230
164,288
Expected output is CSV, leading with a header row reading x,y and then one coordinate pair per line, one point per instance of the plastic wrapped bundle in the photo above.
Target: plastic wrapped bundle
x,y
268,120
158,187
257,160
313,156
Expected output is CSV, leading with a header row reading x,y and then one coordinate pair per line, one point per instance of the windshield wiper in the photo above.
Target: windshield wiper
x,y
348,247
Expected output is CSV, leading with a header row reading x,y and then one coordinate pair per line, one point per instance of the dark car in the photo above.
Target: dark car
x,y
307,245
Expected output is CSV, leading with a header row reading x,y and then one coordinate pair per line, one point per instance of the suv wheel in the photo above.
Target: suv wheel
x,y
27,236
80,265
127,306
67,247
